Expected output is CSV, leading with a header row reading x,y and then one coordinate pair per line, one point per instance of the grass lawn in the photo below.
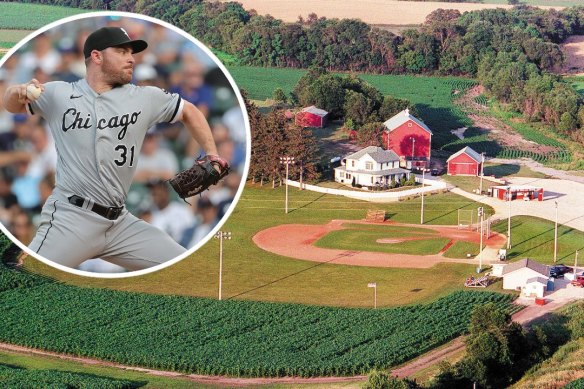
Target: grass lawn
x,y
251,273
510,170
367,241
534,238
469,184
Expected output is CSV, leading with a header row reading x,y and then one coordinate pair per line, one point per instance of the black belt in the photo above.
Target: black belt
x,y
111,213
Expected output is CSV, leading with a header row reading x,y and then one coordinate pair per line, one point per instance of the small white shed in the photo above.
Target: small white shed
x,y
535,287
516,274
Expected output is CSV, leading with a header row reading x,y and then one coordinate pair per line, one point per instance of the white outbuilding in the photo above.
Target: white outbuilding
x,y
535,287
517,274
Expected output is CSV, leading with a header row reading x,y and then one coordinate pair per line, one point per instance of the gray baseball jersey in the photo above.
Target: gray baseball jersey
x,y
98,139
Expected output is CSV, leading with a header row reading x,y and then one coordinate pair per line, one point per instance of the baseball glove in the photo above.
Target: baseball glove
x,y
205,172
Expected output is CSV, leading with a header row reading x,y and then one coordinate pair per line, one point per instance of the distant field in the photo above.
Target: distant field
x,y
16,16
370,11
558,4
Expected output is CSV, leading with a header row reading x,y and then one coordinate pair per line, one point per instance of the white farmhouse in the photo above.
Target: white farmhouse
x,y
370,167
518,274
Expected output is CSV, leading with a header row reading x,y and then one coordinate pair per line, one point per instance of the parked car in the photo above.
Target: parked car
x,y
558,271
579,282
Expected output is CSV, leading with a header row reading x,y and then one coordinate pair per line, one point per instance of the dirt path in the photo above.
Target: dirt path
x,y
297,241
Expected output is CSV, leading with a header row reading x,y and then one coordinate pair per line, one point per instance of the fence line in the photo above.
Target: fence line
x,y
380,197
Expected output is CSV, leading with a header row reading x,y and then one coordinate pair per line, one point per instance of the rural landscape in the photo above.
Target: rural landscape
x,y
412,216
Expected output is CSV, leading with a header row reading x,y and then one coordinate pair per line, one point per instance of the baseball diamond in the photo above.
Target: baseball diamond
x,y
99,124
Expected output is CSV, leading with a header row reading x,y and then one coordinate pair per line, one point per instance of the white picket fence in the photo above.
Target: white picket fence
x,y
377,197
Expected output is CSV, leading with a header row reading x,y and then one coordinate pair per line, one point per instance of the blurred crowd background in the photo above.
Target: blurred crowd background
x,y
28,158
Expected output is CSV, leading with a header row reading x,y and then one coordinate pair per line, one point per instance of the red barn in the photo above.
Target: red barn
x,y
409,138
465,162
311,117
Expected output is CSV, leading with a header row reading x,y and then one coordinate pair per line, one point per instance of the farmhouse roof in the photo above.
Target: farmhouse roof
x,y
529,263
386,172
378,154
402,118
468,151
315,111
539,280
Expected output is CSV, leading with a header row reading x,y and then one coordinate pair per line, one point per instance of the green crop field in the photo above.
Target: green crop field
x,y
16,16
35,362
237,338
534,238
254,274
16,377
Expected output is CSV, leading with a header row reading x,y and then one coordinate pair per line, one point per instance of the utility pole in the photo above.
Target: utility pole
x,y
413,148
481,216
422,211
509,218
482,172
556,236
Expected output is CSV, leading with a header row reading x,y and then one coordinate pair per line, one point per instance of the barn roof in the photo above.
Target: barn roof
x,y
540,280
529,263
377,153
315,111
402,118
468,151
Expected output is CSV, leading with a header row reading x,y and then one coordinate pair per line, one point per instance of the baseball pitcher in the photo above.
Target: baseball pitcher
x,y
98,124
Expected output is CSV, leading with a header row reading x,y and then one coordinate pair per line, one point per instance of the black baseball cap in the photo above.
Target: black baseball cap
x,y
109,37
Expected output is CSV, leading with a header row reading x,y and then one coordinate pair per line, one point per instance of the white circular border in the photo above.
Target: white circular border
x,y
247,131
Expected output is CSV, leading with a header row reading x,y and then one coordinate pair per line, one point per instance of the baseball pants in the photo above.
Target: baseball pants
x,y
69,235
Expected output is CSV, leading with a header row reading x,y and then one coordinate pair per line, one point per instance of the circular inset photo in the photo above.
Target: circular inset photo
x,y
124,144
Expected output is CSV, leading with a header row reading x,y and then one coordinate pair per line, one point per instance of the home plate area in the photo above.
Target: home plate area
x,y
388,242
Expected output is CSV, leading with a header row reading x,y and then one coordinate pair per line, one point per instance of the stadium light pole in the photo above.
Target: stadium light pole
x,y
556,236
374,286
509,218
221,235
287,161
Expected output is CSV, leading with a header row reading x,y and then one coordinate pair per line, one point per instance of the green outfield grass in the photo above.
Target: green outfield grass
x,y
353,239
16,16
461,249
534,238
254,274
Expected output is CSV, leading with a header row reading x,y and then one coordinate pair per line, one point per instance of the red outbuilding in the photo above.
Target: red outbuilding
x,y
517,192
311,117
409,138
465,162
